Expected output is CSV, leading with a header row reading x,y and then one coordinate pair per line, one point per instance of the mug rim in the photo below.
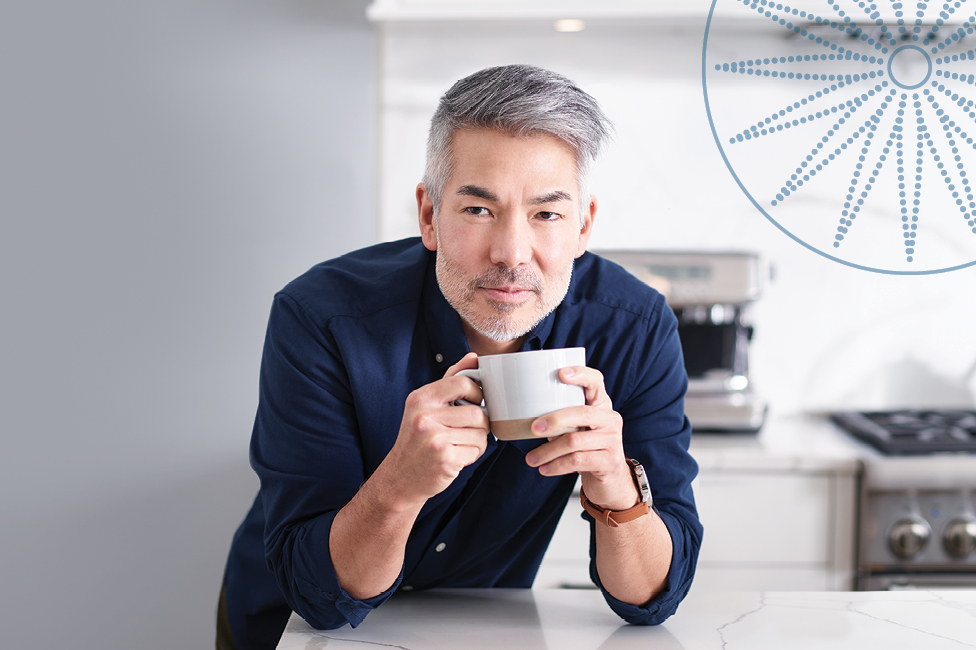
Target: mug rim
x,y
523,352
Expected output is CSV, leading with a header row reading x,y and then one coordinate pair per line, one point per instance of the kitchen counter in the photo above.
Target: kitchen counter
x,y
791,443
580,619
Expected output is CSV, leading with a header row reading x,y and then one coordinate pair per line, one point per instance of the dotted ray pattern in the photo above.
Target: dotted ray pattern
x,y
865,112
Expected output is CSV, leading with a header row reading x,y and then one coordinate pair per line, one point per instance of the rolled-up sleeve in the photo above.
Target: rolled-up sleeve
x,y
685,544
307,452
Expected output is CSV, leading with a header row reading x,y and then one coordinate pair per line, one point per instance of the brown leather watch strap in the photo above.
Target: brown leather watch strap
x,y
613,518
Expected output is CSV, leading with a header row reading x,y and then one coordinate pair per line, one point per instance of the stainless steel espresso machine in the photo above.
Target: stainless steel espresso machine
x,y
710,294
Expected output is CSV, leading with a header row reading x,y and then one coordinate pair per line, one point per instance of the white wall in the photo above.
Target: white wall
x,y
827,335
164,168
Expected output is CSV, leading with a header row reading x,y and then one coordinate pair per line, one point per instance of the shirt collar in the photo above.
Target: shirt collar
x,y
446,333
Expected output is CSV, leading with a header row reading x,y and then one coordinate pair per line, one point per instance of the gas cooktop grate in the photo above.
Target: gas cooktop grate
x,y
912,432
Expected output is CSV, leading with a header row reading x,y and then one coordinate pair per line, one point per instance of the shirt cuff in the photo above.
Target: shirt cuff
x,y
680,574
349,609
355,610
313,590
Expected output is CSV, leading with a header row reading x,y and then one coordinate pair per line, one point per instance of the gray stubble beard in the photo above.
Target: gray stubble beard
x,y
498,326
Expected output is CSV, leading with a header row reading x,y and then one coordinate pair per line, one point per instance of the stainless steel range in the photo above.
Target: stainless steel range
x,y
917,525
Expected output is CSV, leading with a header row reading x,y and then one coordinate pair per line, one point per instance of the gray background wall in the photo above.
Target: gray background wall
x,y
164,168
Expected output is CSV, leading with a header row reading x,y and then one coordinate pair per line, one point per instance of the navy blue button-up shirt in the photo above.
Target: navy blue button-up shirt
x,y
346,343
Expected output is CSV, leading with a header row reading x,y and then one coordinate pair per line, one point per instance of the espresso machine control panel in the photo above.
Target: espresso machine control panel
x,y
710,294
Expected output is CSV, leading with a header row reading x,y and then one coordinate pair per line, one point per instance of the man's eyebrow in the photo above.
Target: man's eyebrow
x,y
552,197
477,192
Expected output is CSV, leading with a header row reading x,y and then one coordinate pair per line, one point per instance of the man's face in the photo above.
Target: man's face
x,y
507,231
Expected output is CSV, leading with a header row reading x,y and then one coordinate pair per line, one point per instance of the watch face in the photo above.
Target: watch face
x,y
640,479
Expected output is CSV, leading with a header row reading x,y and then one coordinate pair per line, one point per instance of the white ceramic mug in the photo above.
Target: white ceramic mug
x,y
521,386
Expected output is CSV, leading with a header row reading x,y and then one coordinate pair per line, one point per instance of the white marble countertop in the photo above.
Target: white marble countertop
x,y
513,619
792,443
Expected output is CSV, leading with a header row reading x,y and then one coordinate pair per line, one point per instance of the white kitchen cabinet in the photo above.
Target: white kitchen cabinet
x,y
778,511
776,531
764,518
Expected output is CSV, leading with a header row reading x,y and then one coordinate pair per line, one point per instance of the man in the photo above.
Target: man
x,y
374,480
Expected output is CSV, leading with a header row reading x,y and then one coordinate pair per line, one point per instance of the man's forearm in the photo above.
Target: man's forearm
x,y
634,558
369,538
436,441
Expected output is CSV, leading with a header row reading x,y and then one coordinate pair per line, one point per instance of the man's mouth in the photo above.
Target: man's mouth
x,y
508,294
507,288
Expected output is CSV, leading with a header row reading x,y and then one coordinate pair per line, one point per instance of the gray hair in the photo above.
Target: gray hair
x,y
520,100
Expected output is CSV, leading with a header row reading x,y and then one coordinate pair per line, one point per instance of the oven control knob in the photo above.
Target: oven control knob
x,y
960,537
908,536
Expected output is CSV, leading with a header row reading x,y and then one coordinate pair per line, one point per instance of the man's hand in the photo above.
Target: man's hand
x,y
588,440
437,439
632,559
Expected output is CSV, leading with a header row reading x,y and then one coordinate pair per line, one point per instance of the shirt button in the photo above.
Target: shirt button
x,y
440,547
406,588
438,357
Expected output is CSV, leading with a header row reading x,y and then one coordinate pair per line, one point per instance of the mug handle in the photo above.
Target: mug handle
x,y
473,373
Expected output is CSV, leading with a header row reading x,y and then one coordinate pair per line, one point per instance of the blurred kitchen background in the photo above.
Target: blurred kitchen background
x,y
166,167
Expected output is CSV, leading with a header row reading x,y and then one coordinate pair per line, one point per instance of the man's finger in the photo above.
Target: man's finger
x,y
467,362
463,416
590,379
571,443
575,418
447,391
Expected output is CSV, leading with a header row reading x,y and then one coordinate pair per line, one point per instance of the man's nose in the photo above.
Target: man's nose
x,y
511,242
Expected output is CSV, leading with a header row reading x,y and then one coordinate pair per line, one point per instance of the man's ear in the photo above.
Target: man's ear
x,y
425,214
587,227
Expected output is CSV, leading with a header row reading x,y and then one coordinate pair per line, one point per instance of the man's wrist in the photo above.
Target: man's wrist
x,y
622,491
383,493
613,518
616,492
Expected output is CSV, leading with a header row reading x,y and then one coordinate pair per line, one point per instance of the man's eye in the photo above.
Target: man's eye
x,y
549,216
477,211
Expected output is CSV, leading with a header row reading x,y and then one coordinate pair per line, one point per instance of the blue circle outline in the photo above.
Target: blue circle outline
x,y
928,60
711,123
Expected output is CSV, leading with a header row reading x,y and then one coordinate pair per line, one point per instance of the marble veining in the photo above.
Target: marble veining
x,y
579,619
862,619
320,640
853,607
721,629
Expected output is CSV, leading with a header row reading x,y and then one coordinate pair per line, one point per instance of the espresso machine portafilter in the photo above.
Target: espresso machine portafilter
x,y
710,294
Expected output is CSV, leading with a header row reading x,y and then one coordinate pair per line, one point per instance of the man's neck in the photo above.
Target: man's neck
x,y
484,346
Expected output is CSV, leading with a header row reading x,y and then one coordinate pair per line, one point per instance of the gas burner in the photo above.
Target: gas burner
x,y
912,432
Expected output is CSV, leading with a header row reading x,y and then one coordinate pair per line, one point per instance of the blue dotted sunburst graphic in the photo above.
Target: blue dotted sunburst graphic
x,y
851,125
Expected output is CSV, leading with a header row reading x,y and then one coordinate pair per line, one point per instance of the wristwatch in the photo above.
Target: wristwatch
x,y
614,518
640,480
